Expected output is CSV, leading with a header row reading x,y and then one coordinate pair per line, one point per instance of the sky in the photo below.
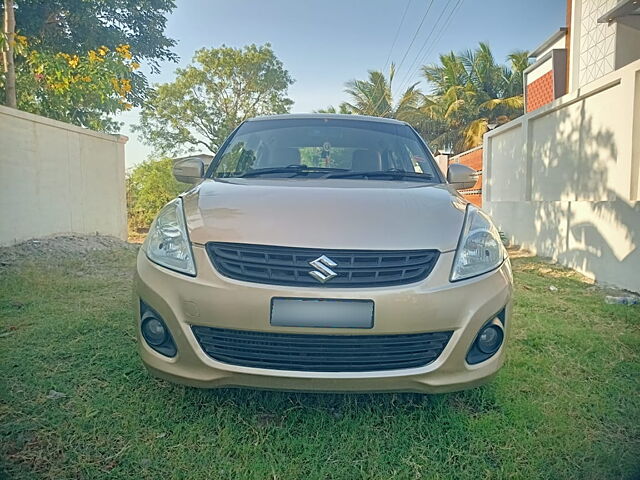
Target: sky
x,y
325,43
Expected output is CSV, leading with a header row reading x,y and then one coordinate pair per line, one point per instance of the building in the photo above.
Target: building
x,y
601,36
563,180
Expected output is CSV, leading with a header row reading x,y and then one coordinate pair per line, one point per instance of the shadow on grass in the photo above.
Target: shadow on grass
x,y
471,402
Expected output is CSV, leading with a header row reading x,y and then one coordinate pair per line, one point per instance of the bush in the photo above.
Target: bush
x,y
150,186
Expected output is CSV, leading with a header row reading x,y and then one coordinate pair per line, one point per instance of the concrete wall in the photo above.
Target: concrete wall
x,y
563,181
58,178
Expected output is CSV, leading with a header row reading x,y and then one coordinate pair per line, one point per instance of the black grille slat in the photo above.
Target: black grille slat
x,y
321,357
356,261
371,350
321,353
269,365
288,338
290,265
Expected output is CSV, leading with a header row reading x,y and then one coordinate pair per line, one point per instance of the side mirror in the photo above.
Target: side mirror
x,y
189,170
461,177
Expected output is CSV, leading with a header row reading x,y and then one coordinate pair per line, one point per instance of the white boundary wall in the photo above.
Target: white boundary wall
x,y
563,181
58,178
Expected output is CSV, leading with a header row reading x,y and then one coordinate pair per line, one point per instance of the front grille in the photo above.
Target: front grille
x,y
321,353
290,266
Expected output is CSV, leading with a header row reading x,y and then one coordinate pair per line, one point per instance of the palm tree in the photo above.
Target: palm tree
x,y
374,97
342,109
470,92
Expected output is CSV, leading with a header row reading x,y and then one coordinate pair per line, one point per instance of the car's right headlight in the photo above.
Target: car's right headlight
x,y
167,243
480,249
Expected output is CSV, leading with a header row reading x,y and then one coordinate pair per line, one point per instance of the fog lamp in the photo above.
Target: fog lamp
x,y
490,339
153,331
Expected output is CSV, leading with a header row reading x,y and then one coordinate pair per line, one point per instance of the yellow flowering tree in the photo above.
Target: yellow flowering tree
x,y
82,89
103,39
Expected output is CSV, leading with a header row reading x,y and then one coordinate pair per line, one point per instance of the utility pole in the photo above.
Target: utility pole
x,y
7,54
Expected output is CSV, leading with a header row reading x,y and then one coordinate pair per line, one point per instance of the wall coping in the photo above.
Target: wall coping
x,y
467,152
622,9
62,125
538,62
557,35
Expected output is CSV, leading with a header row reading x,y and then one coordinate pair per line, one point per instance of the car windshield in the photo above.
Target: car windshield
x,y
325,148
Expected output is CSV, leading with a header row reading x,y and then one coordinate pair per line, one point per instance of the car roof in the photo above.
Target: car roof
x,y
340,116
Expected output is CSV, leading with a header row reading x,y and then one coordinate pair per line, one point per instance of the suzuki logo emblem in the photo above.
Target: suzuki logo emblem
x,y
323,271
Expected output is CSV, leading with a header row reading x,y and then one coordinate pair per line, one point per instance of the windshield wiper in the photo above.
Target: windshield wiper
x,y
295,169
391,174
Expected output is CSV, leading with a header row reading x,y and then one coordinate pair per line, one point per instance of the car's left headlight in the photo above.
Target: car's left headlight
x,y
480,249
167,243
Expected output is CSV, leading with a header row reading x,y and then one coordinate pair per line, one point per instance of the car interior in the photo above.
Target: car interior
x,y
361,160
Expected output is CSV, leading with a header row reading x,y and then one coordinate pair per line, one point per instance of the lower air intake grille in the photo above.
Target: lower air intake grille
x,y
321,353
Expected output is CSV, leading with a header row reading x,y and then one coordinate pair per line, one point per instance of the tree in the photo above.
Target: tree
x,y
150,185
343,109
77,26
8,41
81,89
223,87
80,28
470,92
374,97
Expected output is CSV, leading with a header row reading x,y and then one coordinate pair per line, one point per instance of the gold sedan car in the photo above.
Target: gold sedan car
x,y
323,252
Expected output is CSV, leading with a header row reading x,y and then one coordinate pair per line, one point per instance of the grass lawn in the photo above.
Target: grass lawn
x,y
566,404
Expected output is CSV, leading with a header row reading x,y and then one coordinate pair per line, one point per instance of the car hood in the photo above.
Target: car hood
x,y
325,213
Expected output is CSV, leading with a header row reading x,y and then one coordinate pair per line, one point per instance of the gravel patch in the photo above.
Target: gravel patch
x,y
60,247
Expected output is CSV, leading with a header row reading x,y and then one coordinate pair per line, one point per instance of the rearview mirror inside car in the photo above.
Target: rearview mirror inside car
x,y
189,170
461,177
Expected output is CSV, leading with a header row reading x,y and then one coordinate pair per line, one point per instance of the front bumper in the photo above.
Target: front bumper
x,y
434,304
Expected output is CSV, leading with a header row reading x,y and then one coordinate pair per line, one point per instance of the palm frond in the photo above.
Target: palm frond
x,y
474,132
470,90
454,107
516,102
374,97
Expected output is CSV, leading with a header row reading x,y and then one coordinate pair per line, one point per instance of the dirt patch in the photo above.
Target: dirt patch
x,y
137,237
516,252
60,247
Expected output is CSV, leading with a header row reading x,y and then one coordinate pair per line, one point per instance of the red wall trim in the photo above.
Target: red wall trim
x,y
540,91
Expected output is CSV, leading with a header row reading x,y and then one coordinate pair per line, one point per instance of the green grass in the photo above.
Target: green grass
x,y
566,404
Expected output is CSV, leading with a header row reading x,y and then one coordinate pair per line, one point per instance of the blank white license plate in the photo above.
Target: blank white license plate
x,y
329,313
